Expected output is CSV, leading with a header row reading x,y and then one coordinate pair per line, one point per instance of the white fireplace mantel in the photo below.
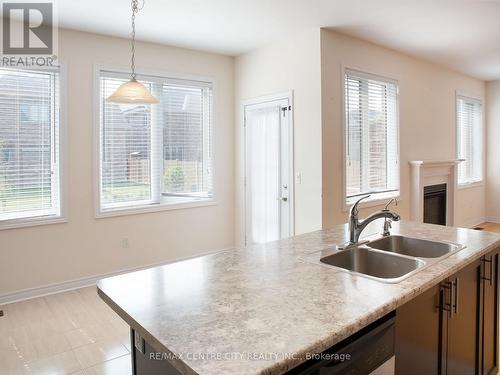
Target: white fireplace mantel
x,y
432,172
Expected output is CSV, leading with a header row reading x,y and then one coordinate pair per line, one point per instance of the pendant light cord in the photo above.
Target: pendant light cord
x,y
135,10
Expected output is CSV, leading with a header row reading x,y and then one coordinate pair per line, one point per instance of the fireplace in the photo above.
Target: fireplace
x,y
435,204
428,173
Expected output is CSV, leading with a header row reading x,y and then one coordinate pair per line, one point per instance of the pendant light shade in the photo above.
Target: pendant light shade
x,y
132,92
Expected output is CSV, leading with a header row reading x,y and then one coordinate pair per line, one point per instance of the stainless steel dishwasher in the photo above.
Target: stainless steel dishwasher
x,y
362,353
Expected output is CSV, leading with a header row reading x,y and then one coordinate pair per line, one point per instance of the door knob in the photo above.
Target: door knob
x,y
284,199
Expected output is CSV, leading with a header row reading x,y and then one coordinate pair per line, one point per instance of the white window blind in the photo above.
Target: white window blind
x,y
371,137
152,155
29,144
125,149
469,140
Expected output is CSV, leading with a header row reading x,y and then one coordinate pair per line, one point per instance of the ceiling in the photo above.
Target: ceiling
x,y
461,34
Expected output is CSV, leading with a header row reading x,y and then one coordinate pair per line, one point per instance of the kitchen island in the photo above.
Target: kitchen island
x,y
265,309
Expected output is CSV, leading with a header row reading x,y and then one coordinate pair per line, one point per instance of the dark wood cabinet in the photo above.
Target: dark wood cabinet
x,y
489,337
462,321
452,328
418,337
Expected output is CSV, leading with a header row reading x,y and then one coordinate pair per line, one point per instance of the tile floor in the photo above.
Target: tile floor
x,y
73,332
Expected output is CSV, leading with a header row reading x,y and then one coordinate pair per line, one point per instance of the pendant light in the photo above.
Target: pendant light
x,y
133,92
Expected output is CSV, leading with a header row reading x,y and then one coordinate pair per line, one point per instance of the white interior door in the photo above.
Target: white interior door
x,y
269,171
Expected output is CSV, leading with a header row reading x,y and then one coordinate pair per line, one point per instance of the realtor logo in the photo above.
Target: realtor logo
x,y
29,33
27,28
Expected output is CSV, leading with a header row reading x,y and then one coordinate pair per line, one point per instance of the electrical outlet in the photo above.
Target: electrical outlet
x,y
125,243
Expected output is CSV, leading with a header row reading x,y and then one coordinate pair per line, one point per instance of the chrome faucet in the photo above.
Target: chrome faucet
x,y
357,226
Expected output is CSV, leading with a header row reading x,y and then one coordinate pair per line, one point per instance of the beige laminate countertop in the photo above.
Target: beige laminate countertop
x,y
259,310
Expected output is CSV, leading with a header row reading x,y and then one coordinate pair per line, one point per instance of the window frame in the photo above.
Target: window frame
x,y
99,212
380,198
62,162
470,184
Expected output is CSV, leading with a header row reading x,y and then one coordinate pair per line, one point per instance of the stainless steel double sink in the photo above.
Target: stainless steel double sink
x,y
389,259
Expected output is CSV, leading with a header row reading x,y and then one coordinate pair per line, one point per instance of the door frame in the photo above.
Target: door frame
x,y
288,95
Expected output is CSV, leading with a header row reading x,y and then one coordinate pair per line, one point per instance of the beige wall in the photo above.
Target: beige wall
x,y
427,118
85,246
293,64
493,151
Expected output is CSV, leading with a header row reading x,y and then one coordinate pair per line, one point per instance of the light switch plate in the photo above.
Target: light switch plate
x,y
139,343
298,178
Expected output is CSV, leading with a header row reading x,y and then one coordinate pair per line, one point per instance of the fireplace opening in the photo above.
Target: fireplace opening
x,y
435,204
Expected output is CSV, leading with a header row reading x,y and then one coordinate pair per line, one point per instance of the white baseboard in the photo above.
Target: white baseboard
x,y
493,219
49,289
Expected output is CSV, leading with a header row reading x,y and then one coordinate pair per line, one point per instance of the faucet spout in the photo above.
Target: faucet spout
x,y
357,226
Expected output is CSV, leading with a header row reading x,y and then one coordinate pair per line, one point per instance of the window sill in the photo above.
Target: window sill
x,y
31,222
374,202
470,185
154,208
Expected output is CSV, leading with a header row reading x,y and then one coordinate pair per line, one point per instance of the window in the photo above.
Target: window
x,y
29,146
371,137
155,155
469,140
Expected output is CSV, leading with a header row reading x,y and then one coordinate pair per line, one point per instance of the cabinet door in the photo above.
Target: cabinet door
x,y
490,314
418,334
464,321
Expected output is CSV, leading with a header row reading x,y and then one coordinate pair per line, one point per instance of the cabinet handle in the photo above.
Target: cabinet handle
x,y
448,306
456,283
491,270
452,299
490,261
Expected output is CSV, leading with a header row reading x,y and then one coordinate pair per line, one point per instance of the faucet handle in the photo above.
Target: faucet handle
x,y
354,208
386,208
